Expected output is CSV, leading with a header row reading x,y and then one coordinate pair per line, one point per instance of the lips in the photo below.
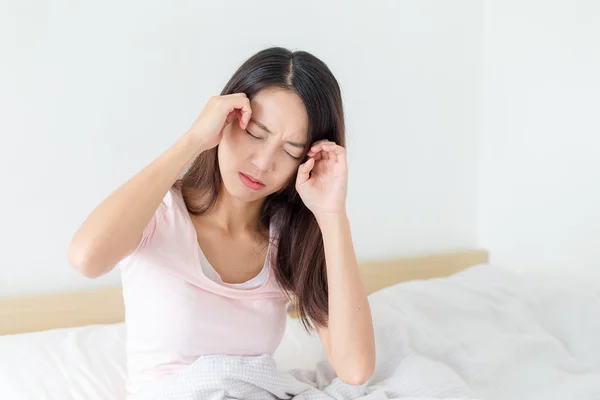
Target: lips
x,y
251,182
254,179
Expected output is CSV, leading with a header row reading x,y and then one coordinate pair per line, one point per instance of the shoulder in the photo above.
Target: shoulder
x,y
172,205
174,198
169,222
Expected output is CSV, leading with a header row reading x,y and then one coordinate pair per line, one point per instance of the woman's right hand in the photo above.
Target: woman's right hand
x,y
218,112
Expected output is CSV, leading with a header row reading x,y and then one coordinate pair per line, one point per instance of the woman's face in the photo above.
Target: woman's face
x,y
260,160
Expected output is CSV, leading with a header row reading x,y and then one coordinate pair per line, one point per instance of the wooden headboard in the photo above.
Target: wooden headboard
x,y
105,306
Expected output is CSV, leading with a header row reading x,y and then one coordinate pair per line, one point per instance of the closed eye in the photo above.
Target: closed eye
x,y
294,157
255,137
259,138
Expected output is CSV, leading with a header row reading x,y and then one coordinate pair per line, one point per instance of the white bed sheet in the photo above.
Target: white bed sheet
x,y
89,362
78,363
485,330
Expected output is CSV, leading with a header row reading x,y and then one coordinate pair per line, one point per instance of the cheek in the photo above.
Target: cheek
x,y
230,147
285,173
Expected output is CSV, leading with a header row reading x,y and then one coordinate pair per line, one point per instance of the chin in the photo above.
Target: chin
x,y
244,196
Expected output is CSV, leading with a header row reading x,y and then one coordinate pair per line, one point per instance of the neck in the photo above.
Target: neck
x,y
234,215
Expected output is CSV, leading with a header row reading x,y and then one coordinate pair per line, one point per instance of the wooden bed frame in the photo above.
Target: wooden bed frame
x,y
105,306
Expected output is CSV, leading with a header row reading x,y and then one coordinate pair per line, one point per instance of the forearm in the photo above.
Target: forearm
x,y
350,327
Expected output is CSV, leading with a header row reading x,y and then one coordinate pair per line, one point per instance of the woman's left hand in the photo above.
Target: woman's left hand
x,y
322,181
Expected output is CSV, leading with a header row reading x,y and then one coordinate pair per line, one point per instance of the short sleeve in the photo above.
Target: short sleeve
x,y
155,222
149,230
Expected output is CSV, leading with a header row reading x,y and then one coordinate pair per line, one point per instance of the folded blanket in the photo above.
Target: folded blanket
x,y
222,377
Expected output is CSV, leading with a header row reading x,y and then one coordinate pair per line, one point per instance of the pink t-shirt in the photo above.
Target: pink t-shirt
x,y
175,314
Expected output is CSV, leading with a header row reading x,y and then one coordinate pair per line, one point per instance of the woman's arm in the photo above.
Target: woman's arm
x,y
114,229
348,338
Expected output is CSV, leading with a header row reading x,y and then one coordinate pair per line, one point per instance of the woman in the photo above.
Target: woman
x,y
243,212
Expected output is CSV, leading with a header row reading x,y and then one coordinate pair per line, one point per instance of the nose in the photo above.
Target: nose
x,y
264,158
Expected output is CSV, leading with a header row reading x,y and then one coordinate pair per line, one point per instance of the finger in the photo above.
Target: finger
x,y
240,103
246,112
340,153
238,115
324,154
339,150
304,171
316,147
330,150
317,156
321,142
231,116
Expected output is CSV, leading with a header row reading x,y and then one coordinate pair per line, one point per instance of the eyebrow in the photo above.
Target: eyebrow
x,y
264,128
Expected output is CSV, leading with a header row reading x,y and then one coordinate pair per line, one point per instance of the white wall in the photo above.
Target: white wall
x,y
90,92
539,197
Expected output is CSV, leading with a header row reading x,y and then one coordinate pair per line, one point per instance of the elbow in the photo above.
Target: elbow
x,y
357,378
81,259
359,374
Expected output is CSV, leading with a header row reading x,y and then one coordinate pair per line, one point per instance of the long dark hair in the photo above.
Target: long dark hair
x,y
299,259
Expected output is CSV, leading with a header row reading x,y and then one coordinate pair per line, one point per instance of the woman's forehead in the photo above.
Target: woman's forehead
x,y
281,112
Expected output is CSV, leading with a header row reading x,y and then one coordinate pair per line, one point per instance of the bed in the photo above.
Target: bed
x,y
447,326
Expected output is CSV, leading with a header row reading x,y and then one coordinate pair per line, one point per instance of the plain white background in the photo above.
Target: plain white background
x,y
539,178
457,125
92,91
